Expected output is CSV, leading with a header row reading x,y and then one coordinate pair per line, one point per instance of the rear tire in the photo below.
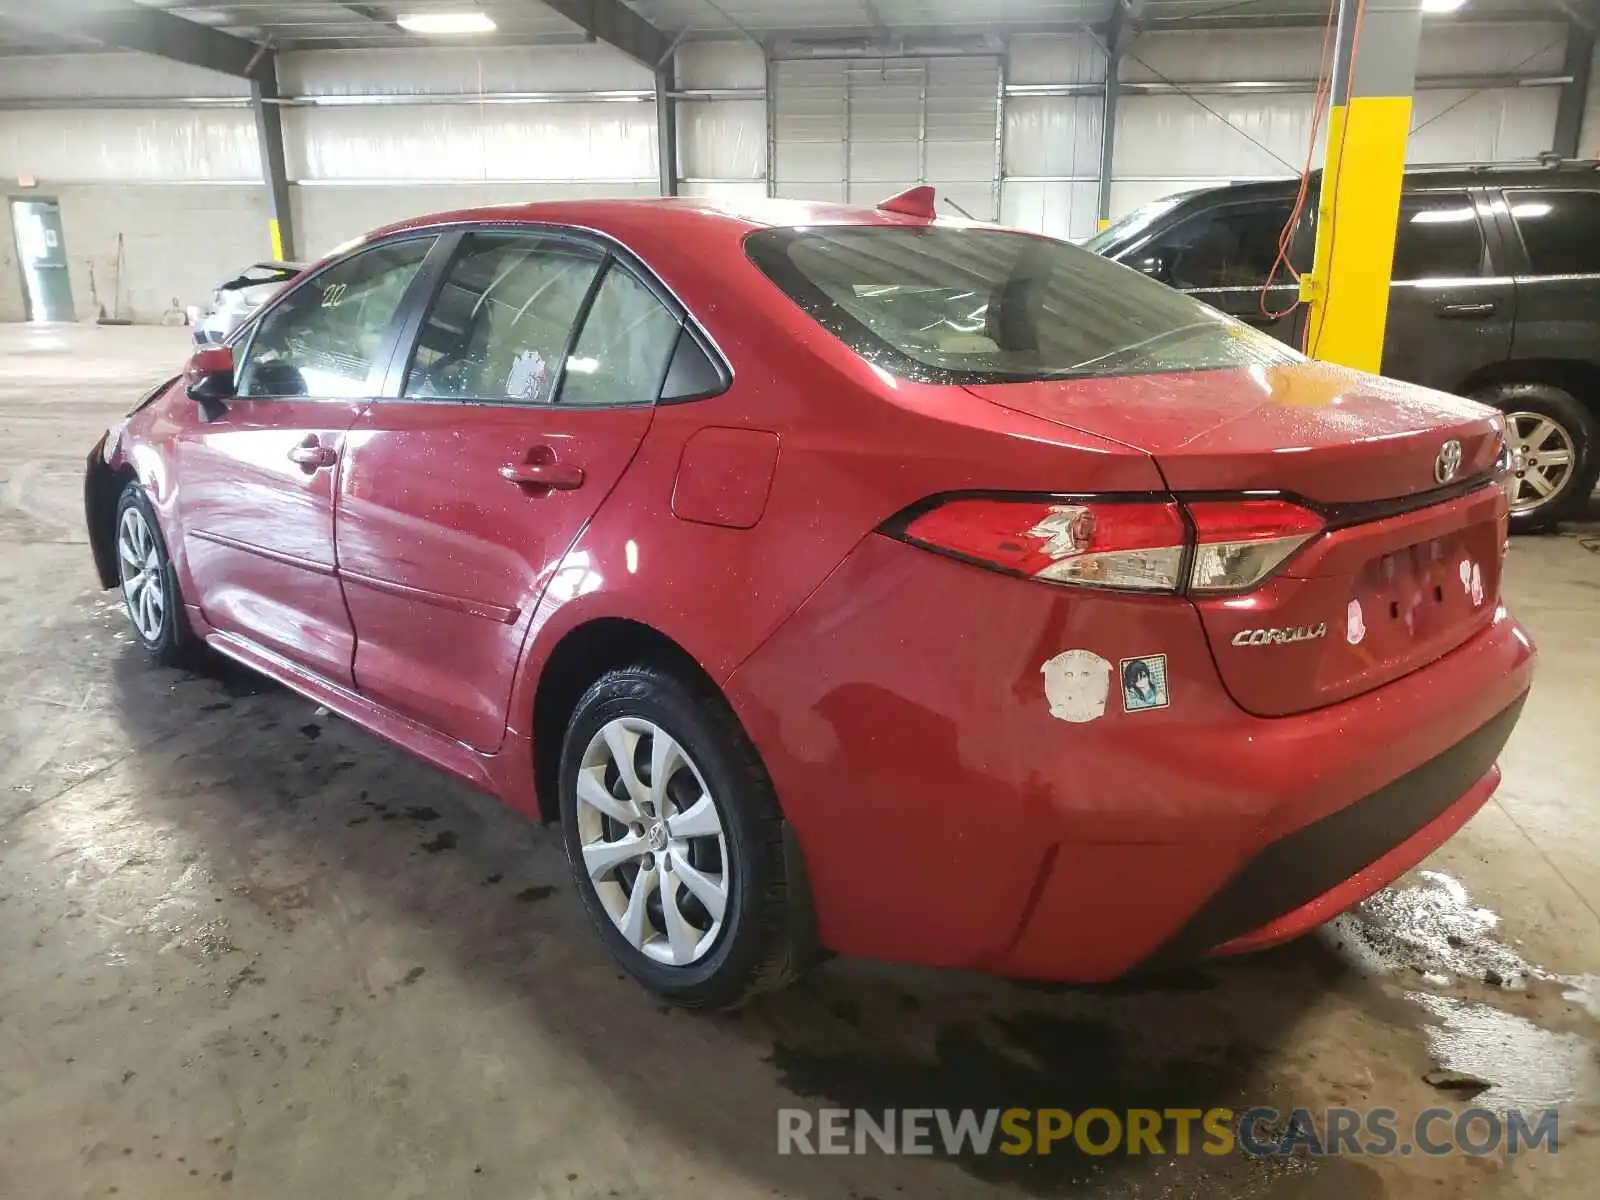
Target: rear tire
x,y
1555,442
630,863
148,581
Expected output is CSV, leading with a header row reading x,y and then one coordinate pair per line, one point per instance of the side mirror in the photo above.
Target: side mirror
x,y
209,380
1155,263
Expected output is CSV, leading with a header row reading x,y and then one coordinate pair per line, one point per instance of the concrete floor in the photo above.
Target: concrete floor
x,y
249,951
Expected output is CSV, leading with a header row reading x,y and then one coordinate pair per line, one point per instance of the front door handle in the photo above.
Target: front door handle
x,y
311,455
1484,309
547,474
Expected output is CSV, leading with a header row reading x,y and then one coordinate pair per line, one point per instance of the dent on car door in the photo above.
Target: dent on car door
x,y
528,390
1450,311
257,480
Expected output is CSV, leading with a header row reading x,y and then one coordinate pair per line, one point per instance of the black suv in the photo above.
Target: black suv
x,y
1495,295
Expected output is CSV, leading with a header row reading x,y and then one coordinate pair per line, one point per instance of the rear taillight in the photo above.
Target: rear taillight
x,y
1117,543
1135,544
1238,543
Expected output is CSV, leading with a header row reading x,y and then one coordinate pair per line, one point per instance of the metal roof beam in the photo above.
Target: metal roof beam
x,y
614,23
134,27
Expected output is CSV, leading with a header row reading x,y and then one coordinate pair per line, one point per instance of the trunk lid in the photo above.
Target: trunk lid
x,y
1389,587
1323,432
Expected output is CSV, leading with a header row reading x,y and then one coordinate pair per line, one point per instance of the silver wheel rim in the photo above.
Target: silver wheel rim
x,y
1543,458
139,566
652,842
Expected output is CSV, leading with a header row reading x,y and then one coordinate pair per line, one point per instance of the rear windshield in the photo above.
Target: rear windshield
x,y
959,305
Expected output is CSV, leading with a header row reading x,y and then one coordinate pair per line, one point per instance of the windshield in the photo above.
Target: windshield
x,y
955,305
1129,226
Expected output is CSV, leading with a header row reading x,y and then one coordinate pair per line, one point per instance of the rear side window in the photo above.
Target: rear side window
x,y
628,337
502,319
1438,237
1560,230
953,305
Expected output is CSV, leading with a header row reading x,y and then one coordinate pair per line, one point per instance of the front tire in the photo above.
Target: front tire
x,y
675,838
148,581
1556,458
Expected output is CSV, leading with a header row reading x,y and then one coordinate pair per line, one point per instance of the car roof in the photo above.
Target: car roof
x,y
661,216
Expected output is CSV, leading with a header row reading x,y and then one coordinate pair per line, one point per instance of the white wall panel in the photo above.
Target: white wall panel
x,y
1450,47
1481,126
594,142
447,69
1064,210
1168,135
733,191
1589,138
142,144
1053,135
720,65
861,130
1224,55
327,215
49,76
722,140
810,118
963,108
1055,59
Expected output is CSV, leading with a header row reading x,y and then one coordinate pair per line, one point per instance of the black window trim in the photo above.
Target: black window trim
x,y
1522,270
431,277
243,339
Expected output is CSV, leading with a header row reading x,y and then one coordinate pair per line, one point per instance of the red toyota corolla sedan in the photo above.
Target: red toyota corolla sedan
x,y
845,579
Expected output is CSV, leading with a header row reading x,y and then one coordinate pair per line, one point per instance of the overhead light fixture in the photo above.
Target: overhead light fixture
x,y
447,22
1441,6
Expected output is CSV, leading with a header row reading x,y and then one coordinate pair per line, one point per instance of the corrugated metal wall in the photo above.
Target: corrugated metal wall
x,y
858,130
722,143
842,129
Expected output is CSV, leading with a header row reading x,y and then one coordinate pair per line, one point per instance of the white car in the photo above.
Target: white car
x,y
233,300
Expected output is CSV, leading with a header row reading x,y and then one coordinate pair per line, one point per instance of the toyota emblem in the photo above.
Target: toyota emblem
x,y
1448,462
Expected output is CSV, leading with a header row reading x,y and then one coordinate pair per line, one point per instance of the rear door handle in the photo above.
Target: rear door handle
x,y
1485,309
547,474
311,455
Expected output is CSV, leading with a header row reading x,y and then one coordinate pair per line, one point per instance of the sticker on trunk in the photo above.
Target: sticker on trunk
x,y
1076,683
1144,682
1355,624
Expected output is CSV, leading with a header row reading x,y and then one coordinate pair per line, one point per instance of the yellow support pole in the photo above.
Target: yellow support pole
x,y
1369,120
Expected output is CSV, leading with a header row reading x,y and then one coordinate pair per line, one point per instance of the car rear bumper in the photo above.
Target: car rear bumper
x,y
1320,870
948,818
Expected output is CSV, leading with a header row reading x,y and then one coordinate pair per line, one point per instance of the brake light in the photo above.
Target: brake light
x,y
1123,544
1116,543
1238,543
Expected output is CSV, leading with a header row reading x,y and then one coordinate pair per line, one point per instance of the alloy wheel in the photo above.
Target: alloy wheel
x,y
1543,459
653,841
139,566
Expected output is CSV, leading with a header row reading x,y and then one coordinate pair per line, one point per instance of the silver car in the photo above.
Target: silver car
x,y
233,300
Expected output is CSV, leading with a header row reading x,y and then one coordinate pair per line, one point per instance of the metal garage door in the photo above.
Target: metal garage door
x,y
859,130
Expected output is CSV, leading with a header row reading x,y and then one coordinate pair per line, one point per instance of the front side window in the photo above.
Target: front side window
x,y
628,337
501,322
1234,246
1560,230
321,340
1437,238
949,305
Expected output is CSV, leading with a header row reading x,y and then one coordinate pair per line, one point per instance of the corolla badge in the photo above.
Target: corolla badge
x,y
1448,462
1280,637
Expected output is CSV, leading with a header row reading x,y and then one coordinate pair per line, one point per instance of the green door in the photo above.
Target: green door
x,y
42,252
